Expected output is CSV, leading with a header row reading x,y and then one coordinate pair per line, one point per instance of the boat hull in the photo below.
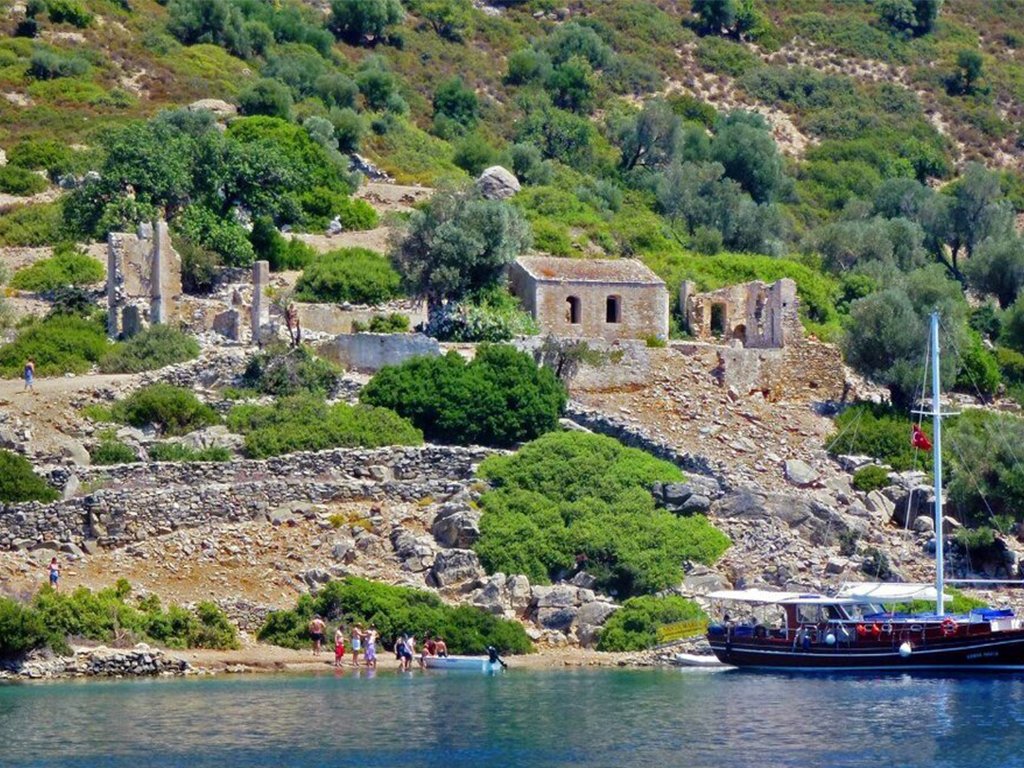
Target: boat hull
x,y
462,663
995,651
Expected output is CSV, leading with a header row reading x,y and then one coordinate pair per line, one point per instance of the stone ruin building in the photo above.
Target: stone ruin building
x,y
762,347
609,299
143,279
755,314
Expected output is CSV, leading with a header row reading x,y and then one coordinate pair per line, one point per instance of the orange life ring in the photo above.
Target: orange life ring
x,y
876,630
949,626
862,630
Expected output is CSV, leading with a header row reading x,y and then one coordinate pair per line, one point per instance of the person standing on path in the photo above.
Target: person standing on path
x,y
54,573
30,375
316,633
357,644
370,654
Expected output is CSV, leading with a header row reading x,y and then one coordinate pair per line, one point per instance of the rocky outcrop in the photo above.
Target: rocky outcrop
x,y
453,566
813,520
694,496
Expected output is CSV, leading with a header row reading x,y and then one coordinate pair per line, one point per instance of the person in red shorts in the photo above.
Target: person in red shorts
x,y
339,646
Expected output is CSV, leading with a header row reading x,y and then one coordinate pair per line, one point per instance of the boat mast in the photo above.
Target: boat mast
x,y
937,465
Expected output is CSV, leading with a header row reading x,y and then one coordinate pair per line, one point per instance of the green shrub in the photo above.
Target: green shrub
x,y
307,423
279,370
106,616
986,479
59,344
880,432
716,54
112,451
271,246
975,540
393,323
394,610
491,315
61,11
179,452
321,205
224,236
18,181
174,410
54,157
871,478
634,627
152,348
1011,363
500,398
31,226
570,501
19,483
356,275
266,97
50,65
67,266
101,414
21,629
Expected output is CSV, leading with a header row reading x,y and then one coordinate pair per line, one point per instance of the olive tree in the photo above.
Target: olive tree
x,y
459,243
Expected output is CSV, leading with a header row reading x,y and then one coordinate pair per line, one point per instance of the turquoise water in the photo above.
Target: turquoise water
x,y
533,719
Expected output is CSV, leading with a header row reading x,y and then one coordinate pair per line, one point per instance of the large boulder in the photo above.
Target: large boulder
x,y
589,620
456,525
693,496
219,107
800,473
558,619
453,566
497,183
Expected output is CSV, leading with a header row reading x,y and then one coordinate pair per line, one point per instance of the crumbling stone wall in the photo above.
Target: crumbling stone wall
x,y
134,502
805,370
372,351
758,315
143,279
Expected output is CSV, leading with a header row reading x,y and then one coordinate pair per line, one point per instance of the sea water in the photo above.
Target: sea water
x,y
532,719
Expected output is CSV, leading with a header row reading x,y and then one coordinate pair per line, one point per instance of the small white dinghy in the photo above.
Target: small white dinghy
x,y
462,663
699,660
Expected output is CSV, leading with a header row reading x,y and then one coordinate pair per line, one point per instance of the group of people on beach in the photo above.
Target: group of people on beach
x,y
364,641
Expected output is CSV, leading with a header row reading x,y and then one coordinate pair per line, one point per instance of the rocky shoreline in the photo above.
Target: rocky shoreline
x,y
143,660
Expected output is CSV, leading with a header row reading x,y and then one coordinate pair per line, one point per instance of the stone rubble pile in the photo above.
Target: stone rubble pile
x,y
140,661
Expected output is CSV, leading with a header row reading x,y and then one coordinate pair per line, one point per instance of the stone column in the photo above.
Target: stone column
x,y
260,303
157,274
112,277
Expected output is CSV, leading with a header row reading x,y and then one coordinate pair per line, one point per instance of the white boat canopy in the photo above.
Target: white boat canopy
x,y
881,592
770,597
860,593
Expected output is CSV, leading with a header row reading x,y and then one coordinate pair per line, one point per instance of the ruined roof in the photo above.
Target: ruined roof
x,y
565,270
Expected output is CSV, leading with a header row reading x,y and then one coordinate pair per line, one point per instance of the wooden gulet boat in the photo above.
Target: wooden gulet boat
x,y
860,628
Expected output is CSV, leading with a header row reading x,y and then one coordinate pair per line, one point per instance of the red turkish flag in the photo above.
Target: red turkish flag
x,y
920,440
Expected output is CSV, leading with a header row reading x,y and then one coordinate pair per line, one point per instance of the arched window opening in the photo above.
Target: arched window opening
x,y
572,310
613,309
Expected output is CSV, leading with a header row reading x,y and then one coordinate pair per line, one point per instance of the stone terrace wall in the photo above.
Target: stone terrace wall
x,y
137,501
634,437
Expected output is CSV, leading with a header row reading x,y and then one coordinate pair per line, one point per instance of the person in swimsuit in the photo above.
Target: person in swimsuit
x,y
403,650
339,646
357,644
54,573
370,652
30,374
440,647
316,633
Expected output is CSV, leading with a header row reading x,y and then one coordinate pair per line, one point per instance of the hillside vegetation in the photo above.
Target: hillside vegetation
x,y
869,150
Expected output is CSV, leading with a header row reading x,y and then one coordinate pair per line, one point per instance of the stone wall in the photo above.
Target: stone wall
x,y
635,437
805,370
372,351
338,318
133,502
